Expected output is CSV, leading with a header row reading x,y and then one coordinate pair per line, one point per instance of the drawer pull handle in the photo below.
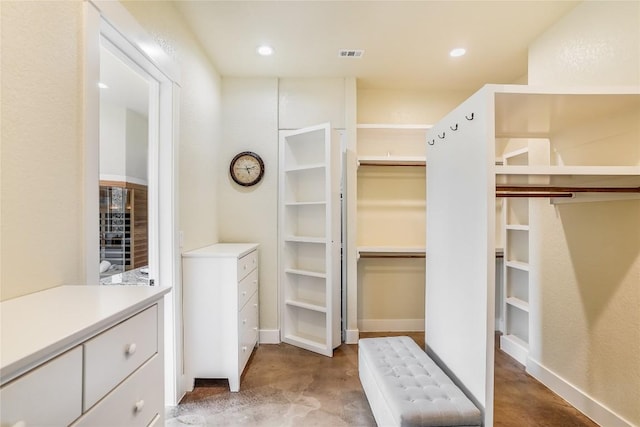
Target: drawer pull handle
x,y
244,348
131,349
139,405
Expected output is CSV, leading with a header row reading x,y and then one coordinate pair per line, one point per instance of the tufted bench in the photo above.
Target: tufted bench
x,y
406,388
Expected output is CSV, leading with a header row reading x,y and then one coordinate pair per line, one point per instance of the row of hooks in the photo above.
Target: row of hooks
x,y
453,128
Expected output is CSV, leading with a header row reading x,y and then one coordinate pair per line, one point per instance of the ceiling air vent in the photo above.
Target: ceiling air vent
x,y
350,53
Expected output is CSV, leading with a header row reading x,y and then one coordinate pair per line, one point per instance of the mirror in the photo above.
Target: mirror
x,y
124,142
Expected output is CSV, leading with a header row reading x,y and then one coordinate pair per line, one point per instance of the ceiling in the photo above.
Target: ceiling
x,y
406,43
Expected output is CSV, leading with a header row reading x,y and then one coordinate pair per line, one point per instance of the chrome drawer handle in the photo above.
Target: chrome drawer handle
x,y
131,349
139,405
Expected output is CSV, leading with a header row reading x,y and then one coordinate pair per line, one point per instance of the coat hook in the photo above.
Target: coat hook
x,y
432,142
469,118
441,136
454,128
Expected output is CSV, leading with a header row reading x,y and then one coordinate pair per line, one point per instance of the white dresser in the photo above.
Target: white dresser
x,y
83,356
220,297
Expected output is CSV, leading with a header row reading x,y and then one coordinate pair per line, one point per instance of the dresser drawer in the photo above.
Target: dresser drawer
x,y
248,330
247,264
136,402
247,287
113,355
48,395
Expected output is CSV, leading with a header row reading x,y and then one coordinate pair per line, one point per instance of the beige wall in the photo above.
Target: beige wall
x,y
199,128
41,133
42,143
406,106
588,331
250,117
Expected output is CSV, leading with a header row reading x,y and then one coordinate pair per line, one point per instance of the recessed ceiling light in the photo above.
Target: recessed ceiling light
x,y
102,86
457,52
265,50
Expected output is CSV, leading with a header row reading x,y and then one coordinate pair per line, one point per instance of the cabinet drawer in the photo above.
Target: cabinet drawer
x,y
136,402
248,330
48,395
113,355
247,287
247,264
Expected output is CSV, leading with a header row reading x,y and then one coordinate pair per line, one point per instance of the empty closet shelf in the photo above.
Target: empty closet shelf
x,y
390,252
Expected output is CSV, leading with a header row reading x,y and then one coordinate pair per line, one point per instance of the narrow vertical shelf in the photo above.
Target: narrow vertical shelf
x,y
516,290
309,239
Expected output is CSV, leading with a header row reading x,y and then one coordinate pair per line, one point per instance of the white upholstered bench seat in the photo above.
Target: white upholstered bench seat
x,y
406,388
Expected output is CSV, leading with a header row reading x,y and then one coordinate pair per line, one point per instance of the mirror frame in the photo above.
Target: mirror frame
x,y
111,21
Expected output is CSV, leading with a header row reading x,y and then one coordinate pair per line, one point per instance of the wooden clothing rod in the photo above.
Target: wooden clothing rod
x,y
532,194
503,188
381,255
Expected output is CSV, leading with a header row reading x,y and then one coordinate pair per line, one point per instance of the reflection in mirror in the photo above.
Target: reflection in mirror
x,y
124,130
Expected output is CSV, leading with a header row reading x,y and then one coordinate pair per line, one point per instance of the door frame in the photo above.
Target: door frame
x,y
112,21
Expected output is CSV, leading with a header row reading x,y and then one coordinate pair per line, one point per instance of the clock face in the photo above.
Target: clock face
x,y
246,168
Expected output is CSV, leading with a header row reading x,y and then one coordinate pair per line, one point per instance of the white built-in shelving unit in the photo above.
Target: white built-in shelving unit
x,y
593,135
309,238
391,205
516,283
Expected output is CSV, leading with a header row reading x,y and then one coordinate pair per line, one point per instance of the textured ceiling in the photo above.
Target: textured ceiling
x,y
406,43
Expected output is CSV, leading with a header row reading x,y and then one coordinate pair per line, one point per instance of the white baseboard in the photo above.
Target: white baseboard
x,y
269,336
576,397
352,336
391,325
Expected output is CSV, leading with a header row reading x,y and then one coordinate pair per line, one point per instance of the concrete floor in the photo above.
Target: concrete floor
x,y
287,386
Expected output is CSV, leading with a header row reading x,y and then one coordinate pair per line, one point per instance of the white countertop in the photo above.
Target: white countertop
x,y
222,250
39,326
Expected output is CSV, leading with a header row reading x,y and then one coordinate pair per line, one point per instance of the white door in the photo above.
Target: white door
x,y
309,238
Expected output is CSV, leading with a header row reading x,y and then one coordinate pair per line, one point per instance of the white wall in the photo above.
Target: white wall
x,y
41,164
137,142
112,140
124,137
589,254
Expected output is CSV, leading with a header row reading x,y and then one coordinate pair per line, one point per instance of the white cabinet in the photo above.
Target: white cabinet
x,y
220,296
115,354
51,394
309,238
101,341
391,226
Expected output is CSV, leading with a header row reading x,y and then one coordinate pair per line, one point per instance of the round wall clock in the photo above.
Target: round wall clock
x,y
246,168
